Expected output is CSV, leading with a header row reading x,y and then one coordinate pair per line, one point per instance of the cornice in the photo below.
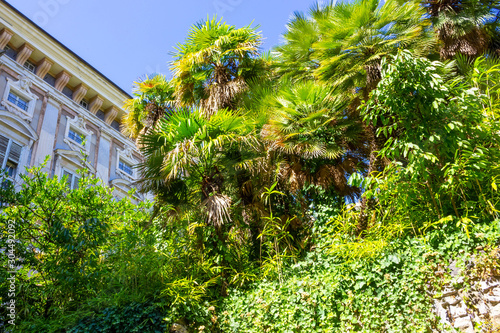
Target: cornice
x,y
57,99
60,54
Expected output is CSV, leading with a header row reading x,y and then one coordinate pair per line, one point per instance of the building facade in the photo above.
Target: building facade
x,y
53,103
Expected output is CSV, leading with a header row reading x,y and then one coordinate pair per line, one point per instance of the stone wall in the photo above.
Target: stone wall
x,y
468,303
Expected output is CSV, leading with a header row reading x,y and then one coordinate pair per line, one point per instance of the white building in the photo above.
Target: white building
x,y
53,103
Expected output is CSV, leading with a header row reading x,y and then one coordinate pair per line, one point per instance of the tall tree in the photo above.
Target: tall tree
x,y
355,38
310,133
186,159
214,64
466,27
153,100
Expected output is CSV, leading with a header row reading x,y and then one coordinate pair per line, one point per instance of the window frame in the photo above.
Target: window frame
x,y
84,104
121,161
30,66
125,156
76,134
3,163
21,89
17,99
74,176
77,125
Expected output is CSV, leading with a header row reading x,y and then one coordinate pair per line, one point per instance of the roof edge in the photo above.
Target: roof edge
x,y
66,48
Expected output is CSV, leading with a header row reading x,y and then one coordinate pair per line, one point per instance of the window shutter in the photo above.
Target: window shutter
x,y
15,153
4,142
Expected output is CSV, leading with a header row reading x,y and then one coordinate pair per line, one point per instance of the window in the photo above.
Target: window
x,y
125,162
50,79
18,101
115,125
84,104
125,167
68,92
30,66
10,154
100,114
72,179
76,136
18,98
10,52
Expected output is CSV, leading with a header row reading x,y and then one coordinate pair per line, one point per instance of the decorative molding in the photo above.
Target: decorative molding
x,y
5,36
126,155
111,114
95,104
43,67
19,124
80,92
22,88
24,53
123,186
78,124
65,158
62,80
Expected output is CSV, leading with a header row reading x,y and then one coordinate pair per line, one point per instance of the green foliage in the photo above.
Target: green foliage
x,y
256,227
153,100
134,317
388,292
442,146
213,65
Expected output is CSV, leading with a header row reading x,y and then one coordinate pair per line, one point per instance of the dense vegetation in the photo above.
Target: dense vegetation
x,y
325,186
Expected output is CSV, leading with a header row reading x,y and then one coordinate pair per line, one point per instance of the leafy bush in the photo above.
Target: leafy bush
x,y
389,292
135,317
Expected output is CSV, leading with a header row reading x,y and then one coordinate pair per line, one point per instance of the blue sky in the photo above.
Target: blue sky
x,y
127,39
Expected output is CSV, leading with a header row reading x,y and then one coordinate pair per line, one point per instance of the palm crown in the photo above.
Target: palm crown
x,y
212,66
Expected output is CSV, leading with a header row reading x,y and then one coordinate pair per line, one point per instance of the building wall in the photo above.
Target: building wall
x,y
40,71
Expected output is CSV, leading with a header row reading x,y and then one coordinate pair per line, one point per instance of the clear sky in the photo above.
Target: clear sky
x,y
127,39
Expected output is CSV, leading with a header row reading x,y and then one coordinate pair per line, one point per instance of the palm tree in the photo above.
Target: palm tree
x,y
311,135
295,58
465,27
356,36
153,100
186,157
212,67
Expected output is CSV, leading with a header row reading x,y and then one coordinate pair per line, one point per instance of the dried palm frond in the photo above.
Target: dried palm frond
x,y
217,208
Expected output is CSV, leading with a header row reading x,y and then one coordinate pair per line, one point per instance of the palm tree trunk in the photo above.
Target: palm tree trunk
x,y
367,204
373,76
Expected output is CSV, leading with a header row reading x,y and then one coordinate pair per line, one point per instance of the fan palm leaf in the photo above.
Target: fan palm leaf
x,y
308,124
153,99
464,27
191,148
212,66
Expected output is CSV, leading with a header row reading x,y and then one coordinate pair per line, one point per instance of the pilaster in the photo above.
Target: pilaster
x,y
80,92
24,53
43,67
5,36
62,80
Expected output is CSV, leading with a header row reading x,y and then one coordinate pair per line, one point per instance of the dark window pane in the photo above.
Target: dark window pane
x,y
11,52
115,125
68,92
100,114
50,79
